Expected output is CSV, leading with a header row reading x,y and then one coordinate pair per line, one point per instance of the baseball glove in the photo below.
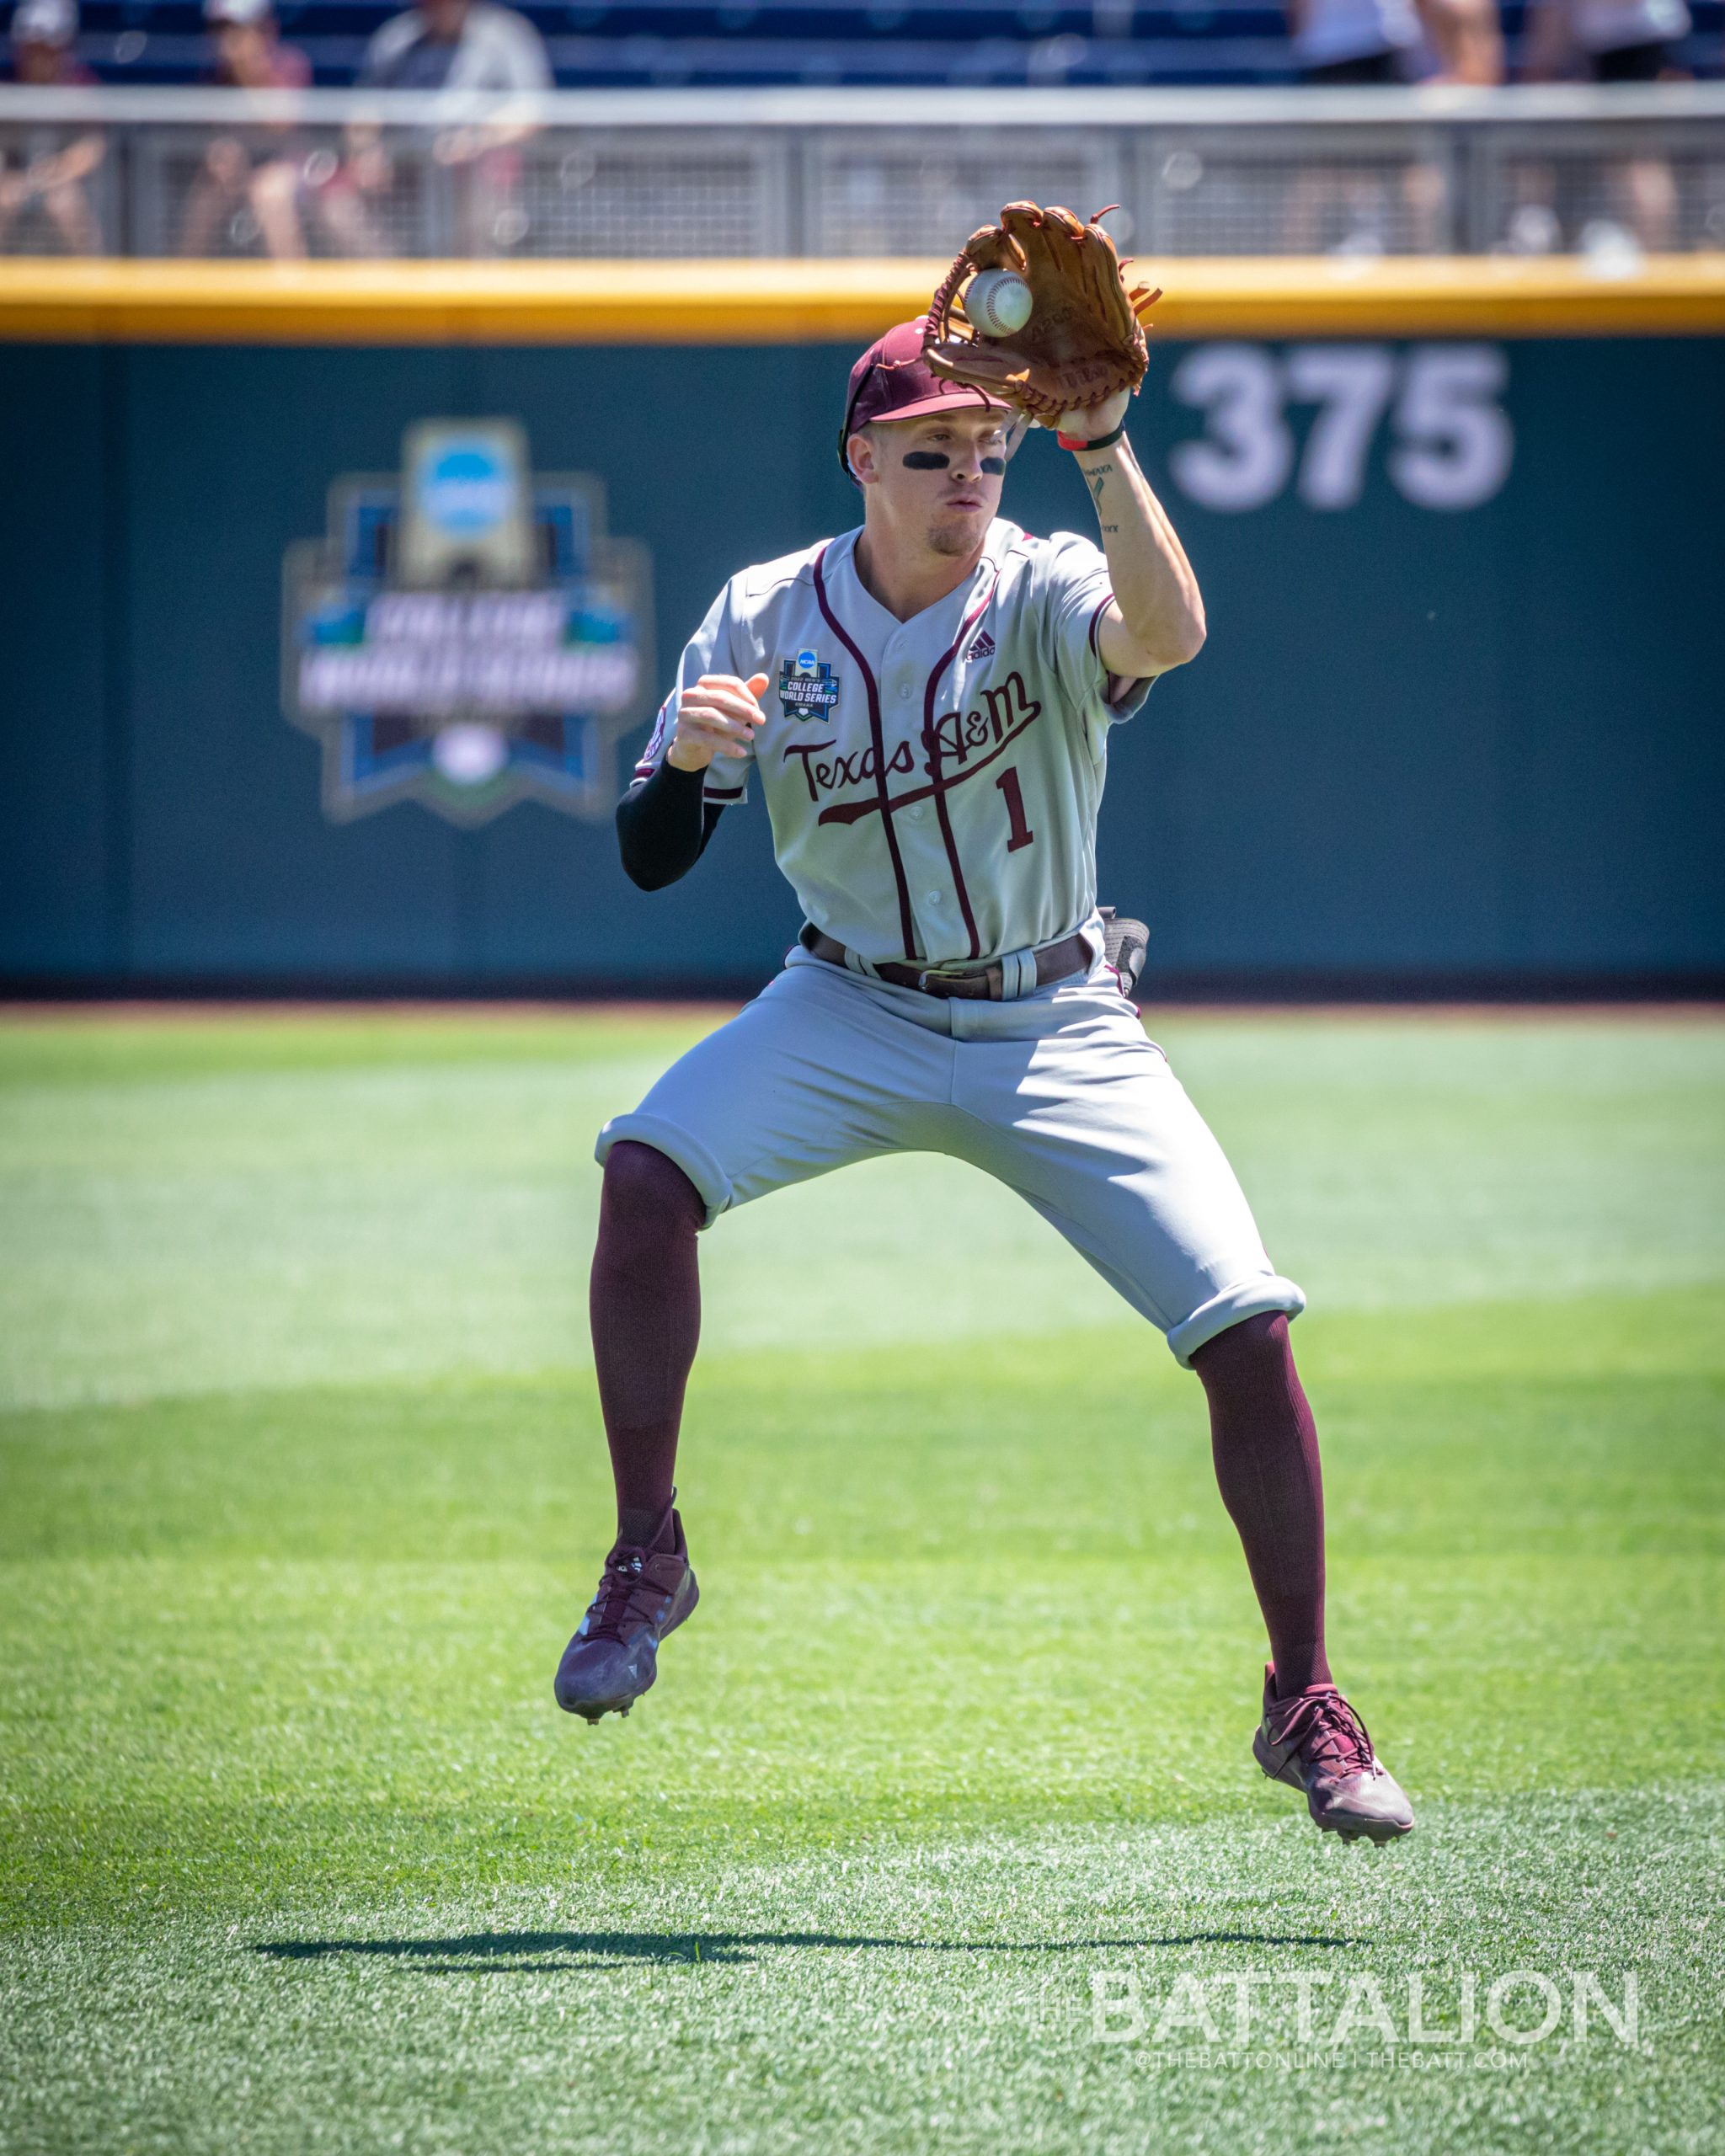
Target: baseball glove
x,y
1083,342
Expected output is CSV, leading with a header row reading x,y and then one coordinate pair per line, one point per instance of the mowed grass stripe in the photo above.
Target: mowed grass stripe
x,y
1565,1427
338,1208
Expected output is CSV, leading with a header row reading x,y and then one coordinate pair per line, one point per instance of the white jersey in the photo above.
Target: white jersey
x,y
932,784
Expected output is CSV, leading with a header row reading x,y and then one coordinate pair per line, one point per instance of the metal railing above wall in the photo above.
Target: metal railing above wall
x,y
836,172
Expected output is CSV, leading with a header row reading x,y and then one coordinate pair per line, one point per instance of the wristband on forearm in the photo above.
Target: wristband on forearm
x,y
1101,441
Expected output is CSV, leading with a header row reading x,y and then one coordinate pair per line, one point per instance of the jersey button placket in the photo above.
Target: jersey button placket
x,y
923,854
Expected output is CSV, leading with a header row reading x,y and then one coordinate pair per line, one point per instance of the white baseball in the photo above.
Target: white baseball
x,y
997,301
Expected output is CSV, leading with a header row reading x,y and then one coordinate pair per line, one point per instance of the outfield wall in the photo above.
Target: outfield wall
x,y
1458,722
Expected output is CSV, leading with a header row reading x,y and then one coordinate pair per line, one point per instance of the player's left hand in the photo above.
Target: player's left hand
x,y
1087,422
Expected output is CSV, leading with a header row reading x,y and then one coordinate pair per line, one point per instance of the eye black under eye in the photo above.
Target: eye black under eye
x,y
937,460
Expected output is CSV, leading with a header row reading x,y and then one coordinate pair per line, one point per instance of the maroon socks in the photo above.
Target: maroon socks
x,y
1264,1443
645,1301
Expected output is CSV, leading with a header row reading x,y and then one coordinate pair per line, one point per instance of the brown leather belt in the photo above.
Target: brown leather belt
x,y
1053,962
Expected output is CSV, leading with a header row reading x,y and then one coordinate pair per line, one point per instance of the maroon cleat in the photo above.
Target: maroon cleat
x,y
643,1594
1315,1743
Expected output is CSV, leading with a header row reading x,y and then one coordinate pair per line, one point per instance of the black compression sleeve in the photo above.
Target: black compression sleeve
x,y
663,825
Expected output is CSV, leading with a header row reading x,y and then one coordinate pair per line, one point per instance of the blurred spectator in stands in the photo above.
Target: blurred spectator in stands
x,y
1604,41
248,51
1341,42
55,163
453,45
1337,42
1361,209
1466,38
1616,41
43,34
255,171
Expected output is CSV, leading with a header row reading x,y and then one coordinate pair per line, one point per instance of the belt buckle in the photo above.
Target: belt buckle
x,y
990,979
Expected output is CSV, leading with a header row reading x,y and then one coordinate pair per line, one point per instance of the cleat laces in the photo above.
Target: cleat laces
x,y
619,1583
1328,1731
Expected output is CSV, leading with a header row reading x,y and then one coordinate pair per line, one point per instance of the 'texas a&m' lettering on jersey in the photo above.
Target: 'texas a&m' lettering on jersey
x,y
948,746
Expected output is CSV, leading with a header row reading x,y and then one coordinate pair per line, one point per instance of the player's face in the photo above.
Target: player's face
x,y
940,478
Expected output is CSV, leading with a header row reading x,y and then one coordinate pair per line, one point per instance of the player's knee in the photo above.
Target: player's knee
x,y
643,1184
1255,1348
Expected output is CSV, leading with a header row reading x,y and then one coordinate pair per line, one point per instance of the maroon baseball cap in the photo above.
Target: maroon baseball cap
x,y
893,381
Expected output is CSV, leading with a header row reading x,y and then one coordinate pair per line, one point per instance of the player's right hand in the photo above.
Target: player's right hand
x,y
719,717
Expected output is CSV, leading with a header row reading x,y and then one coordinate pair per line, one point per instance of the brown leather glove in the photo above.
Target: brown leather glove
x,y
1083,342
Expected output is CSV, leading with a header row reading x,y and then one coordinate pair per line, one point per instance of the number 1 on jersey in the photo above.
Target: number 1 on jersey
x,y
1022,834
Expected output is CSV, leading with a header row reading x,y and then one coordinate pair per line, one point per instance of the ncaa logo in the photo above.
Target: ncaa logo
x,y
467,490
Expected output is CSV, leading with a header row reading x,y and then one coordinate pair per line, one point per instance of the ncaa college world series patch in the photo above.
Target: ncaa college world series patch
x,y
806,688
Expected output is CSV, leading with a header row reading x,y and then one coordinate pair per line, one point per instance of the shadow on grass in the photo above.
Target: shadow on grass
x,y
503,1950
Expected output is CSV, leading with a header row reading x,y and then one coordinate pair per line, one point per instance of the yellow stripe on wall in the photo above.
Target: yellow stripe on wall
x,y
776,302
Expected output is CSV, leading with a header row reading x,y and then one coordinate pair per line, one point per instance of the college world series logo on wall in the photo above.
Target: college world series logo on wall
x,y
468,635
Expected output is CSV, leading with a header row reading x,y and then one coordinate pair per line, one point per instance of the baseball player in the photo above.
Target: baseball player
x,y
924,704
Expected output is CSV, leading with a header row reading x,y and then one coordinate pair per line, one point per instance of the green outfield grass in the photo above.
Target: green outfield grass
x,y
302,1487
